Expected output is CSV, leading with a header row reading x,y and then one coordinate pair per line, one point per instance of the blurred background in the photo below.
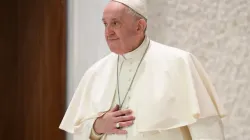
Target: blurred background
x,y
46,46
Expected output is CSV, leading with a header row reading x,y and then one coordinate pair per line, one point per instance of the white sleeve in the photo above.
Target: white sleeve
x,y
85,130
94,135
209,128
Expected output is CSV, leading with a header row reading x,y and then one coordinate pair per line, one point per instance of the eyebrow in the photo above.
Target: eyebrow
x,y
111,19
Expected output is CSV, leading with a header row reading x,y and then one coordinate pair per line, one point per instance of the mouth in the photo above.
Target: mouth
x,y
112,39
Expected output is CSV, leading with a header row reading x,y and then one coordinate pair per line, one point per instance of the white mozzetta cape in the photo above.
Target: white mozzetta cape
x,y
171,90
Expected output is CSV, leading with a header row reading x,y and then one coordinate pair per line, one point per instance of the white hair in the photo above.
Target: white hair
x,y
135,14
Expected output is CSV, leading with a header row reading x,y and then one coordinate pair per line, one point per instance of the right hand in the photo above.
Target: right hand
x,y
106,124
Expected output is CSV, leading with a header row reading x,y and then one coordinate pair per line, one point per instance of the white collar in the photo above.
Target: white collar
x,y
138,52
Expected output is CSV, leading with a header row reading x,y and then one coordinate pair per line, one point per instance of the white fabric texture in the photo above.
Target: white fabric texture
x,y
176,79
140,6
209,128
204,129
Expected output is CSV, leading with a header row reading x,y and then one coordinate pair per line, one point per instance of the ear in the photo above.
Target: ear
x,y
141,25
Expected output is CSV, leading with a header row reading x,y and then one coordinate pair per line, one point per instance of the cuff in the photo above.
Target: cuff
x,y
94,135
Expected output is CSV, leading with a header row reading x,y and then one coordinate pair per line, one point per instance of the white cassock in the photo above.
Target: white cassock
x,y
171,96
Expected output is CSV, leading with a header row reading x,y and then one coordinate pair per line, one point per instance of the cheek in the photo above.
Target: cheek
x,y
118,32
123,33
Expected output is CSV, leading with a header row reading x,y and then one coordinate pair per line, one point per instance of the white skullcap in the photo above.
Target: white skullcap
x,y
139,6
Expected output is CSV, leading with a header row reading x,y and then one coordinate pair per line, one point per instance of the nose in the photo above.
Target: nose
x,y
109,31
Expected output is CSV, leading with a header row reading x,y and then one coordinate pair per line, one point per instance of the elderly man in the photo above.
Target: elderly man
x,y
143,90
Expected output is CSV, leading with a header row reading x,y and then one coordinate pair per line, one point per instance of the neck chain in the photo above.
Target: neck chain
x,y
117,85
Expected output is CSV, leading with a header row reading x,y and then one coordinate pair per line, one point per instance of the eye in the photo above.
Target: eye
x,y
105,24
115,24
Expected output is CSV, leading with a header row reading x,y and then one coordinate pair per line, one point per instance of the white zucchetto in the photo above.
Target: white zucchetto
x,y
139,6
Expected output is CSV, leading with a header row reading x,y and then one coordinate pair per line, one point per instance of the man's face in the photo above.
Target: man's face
x,y
120,27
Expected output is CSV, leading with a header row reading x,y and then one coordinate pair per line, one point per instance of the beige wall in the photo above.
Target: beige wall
x,y
218,33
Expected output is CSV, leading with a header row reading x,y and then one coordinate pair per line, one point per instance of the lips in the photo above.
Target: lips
x,y
111,39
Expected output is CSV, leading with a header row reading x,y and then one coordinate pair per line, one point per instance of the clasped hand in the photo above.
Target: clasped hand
x,y
106,124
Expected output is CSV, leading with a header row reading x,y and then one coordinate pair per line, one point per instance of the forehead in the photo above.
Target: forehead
x,y
114,10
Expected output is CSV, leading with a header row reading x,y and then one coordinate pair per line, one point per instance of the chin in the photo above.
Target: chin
x,y
114,49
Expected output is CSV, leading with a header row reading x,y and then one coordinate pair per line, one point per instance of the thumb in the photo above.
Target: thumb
x,y
115,108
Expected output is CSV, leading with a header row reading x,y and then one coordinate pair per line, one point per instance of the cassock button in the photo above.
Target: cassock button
x,y
130,70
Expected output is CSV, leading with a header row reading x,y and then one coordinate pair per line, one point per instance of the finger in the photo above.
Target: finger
x,y
126,124
130,113
119,131
115,108
122,112
124,118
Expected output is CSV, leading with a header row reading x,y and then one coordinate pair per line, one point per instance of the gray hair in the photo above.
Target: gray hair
x,y
135,14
